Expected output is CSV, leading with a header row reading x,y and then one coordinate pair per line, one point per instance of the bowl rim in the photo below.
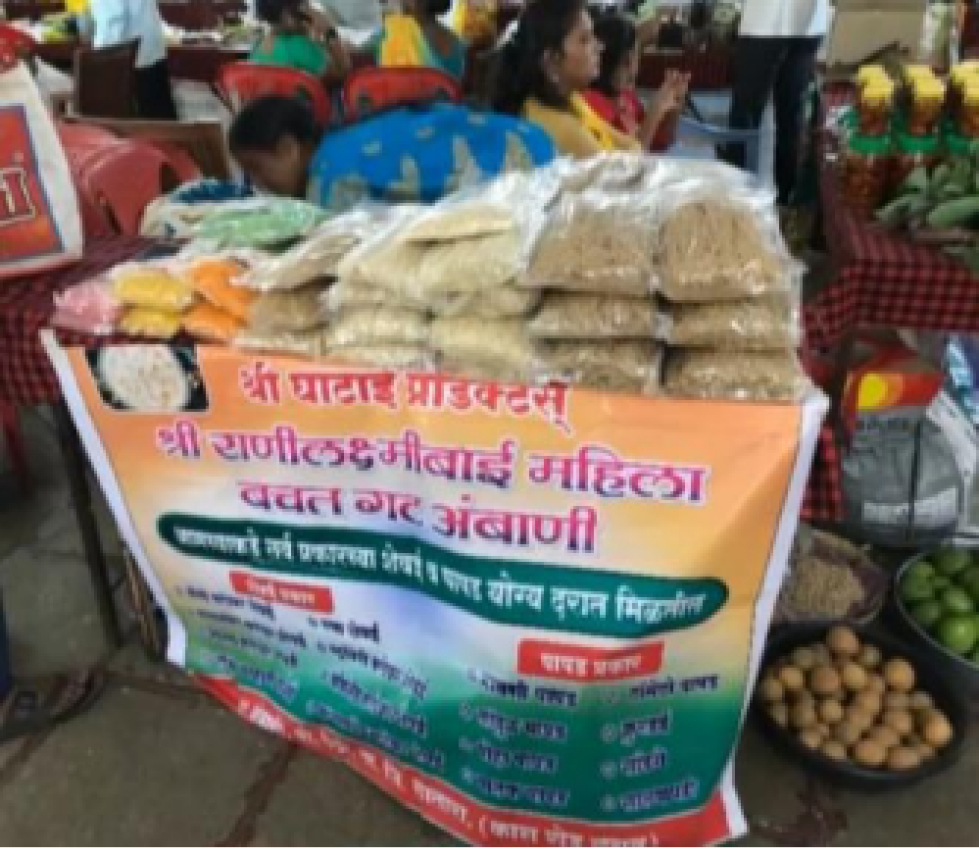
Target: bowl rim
x,y
952,704
915,627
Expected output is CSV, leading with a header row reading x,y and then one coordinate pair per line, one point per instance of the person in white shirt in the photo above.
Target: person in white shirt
x,y
118,21
776,56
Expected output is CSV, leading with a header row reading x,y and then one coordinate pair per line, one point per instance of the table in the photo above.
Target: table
x,y
882,279
26,379
200,63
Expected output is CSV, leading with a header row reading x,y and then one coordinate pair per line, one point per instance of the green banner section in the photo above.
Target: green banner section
x,y
547,597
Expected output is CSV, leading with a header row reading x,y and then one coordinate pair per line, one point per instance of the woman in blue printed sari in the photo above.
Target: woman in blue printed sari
x,y
410,154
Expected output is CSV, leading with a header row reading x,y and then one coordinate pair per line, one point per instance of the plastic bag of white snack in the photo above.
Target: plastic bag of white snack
x,y
376,326
563,315
625,367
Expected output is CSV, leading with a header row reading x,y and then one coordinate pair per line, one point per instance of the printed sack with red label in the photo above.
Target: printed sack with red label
x,y
40,224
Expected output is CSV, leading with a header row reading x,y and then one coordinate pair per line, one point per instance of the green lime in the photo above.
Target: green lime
x,y
957,601
951,560
920,570
974,656
958,633
915,589
939,584
927,613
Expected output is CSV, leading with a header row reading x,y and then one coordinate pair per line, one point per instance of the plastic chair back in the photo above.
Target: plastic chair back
x,y
242,82
372,90
714,136
124,179
105,81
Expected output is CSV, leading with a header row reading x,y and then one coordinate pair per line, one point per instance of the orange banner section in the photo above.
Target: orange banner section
x,y
312,598
457,814
544,659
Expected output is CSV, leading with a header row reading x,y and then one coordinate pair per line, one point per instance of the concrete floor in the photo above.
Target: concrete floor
x,y
157,763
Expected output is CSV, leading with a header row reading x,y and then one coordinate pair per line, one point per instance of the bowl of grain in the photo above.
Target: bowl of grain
x,y
830,579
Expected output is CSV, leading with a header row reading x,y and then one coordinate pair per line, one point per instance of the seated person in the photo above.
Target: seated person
x,y
300,38
545,69
417,38
613,95
417,154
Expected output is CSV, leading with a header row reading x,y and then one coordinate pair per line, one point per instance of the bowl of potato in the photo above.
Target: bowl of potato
x,y
858,708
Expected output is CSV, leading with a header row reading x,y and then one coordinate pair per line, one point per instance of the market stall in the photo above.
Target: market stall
x,y
483,455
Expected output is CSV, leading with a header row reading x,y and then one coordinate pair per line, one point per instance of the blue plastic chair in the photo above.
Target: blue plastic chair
x,y
714,135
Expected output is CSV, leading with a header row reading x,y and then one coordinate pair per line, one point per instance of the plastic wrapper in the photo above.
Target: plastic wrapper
x,y
149,287
495,303
150,323
265,222
618,171
288,311
456,221
595,316
88,307
597,244
478,341
758,324
377,326
771,376
350,294
317,256
394,357
214,280
487,371
211,324
715,250
306,344
469,264
634,367
383,260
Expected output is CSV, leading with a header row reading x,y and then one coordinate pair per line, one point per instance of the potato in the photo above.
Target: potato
x,y
869,656
803,658
811,739
868,753
937,730
869,701
900,720
779,712
834,749
824,680
901,759
899,675
802,715
843,642
847,732
830,711
791,678
822,654
854,677
919,700
884,735
876,683
894,700
770,690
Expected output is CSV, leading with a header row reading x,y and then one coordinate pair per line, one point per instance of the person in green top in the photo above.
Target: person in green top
x,y
302,38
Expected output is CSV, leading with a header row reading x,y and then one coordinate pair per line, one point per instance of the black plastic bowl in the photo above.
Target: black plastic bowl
x,y
947,699
957,670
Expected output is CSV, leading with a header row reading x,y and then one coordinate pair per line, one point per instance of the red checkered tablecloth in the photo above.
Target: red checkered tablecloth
x,y
26,305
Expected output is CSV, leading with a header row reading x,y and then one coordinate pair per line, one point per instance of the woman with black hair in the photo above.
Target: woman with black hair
x,y
418,38
613,95
302,38
544,70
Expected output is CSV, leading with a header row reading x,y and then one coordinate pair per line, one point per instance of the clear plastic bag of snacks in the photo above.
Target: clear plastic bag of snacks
x,y
717,246
563,315
349,294
755,324
596,243
492,304
265,222
469,264
152,287
288,311
459,220
774,376
150,323
210,324
377,326
306,344
468,340
630,367
393,357
214,279
88,307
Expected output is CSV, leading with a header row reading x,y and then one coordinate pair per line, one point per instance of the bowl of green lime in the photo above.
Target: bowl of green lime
x,y
936,604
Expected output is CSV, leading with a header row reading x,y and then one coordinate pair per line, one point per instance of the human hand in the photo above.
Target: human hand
x,y
672,94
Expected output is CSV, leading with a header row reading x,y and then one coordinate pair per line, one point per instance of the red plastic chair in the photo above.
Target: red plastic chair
x,y
242,82
15,44
372,90
124,179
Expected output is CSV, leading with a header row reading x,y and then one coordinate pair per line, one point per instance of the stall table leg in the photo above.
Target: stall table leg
x,y
81,497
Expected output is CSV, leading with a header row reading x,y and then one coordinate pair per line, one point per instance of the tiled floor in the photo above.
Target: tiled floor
x,y
157,763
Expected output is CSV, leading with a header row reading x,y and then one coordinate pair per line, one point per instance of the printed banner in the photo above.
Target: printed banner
x,y
533,615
